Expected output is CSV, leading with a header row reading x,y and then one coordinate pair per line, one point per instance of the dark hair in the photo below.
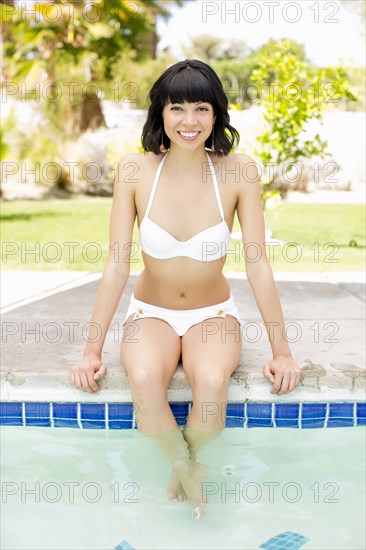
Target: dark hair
x,y
189,81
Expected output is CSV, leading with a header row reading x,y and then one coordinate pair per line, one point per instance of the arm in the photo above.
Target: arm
x,y
282,369
114,279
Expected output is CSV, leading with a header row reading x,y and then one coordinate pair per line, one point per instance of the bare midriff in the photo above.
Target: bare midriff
x,y
182,283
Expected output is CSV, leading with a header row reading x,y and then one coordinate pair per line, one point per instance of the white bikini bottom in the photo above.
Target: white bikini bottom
x,y
182,319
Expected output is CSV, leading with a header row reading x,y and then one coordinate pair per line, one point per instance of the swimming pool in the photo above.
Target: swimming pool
x,y
75,488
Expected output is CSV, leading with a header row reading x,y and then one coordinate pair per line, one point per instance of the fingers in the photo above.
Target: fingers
x,y
83,379
102,371
285,381
267,373
87,382
281,384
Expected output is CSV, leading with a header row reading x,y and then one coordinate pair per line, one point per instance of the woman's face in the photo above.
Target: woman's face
x,y
188,124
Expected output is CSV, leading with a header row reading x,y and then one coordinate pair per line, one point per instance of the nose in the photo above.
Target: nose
x,y
189,118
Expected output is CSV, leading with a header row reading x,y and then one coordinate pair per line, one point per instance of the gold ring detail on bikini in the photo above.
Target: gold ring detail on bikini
x,y
220,312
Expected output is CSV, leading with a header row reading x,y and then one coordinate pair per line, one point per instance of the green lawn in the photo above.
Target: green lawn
x,y
73,234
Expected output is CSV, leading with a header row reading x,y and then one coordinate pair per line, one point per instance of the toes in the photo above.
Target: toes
x,y
198,513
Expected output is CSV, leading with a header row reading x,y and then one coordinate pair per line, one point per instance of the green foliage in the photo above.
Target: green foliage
x,y
6,127
135,79
40,146
209,48
63,53
45,44
292,94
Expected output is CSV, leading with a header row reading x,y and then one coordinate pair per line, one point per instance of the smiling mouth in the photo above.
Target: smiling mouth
x,y
189,135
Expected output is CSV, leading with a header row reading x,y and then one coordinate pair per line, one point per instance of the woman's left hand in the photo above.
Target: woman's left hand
x,y
283,373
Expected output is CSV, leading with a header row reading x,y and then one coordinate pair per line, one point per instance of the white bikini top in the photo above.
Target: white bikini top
x,y
208,245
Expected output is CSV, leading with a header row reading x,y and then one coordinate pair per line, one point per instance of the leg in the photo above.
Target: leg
x,y
150,352
210,354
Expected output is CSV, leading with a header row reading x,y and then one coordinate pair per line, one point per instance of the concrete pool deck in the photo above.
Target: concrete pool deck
x,y
45,317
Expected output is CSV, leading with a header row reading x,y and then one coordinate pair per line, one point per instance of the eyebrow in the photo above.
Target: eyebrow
x,y
195,102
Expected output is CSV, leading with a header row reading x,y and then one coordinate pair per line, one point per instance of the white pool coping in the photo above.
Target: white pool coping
x,y
22,288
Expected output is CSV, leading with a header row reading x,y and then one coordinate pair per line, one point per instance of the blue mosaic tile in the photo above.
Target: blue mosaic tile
x,y
340,415
251,415
92,411
180,412
361,410
9,409
124,545
287,411
179,409
287,414
312,423
313,415
235,410
234,422
93,424
46,423
120,411
36,410
314,411
341,410
288,540
339,422
262,411
181,420
11,413
65,411
120,424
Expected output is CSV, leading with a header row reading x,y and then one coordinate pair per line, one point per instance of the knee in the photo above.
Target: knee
x,y
144,377
210,380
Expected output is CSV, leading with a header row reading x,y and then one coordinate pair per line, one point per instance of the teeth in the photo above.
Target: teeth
x,y
188,134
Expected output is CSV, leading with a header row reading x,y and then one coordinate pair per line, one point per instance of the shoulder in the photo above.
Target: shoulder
x,y
140,158
132,166
242,158
237,168
246,168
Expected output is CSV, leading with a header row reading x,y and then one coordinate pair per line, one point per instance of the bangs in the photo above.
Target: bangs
x,y
188,86
189,81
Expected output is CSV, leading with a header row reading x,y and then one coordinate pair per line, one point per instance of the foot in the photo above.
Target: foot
x,y
175,490
191,476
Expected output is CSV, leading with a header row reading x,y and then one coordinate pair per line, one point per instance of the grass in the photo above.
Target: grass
x,y
73,235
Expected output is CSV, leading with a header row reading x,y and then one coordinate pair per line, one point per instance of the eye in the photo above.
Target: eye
x,y
204,108
175,107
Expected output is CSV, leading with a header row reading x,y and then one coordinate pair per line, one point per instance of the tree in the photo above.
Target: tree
x,y
79,34
292,93
204,46
150,39
210,48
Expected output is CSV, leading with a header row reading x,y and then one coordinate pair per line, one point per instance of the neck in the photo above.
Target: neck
x,y
186,162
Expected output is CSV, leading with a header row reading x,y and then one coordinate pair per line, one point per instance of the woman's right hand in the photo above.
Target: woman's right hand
x,y
84,374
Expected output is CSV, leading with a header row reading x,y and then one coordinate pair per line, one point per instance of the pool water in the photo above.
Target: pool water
x,y
92,489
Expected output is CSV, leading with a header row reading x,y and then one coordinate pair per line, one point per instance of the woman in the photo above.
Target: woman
x,y
185,196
